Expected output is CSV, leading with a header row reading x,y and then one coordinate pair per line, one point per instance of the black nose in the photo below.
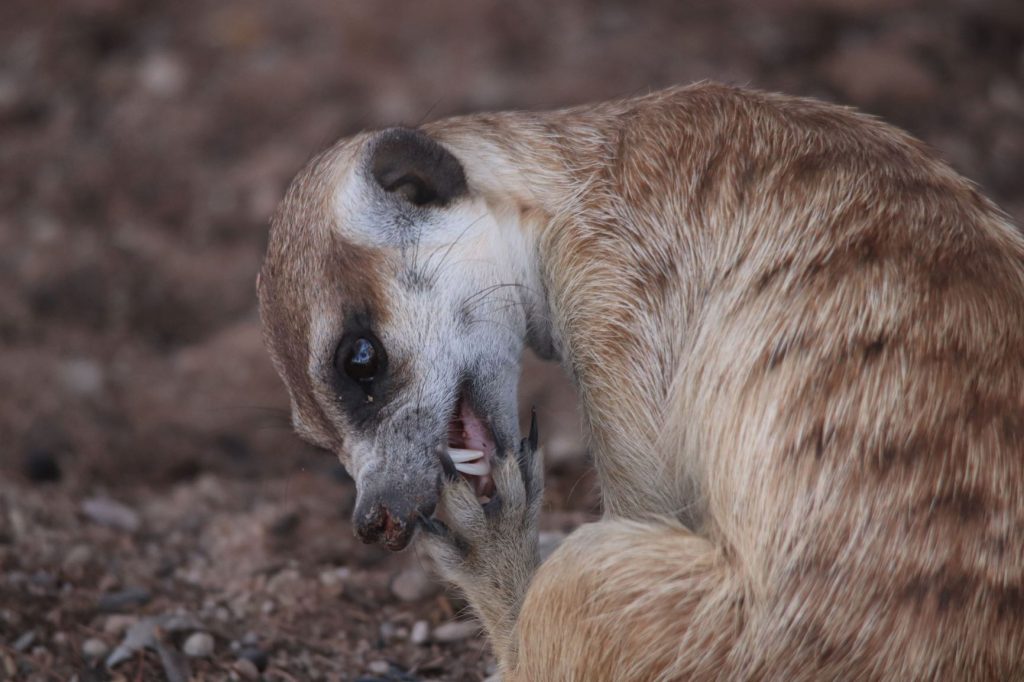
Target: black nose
x,y
391,522
380,525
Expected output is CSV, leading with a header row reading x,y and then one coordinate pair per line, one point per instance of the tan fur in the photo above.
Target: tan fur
x,y
799,343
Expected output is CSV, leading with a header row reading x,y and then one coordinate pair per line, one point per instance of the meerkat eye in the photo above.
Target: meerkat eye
x,y
359,359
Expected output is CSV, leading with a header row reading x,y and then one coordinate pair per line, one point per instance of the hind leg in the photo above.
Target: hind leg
x,y
627,600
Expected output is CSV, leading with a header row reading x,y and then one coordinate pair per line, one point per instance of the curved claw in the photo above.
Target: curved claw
x,y
493,506
533,437
434,526
440,530
448,466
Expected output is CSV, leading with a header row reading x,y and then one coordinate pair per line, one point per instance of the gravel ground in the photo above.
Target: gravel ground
x,y
156,513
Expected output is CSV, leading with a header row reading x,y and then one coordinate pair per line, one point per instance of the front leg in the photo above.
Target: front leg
x,y
490,551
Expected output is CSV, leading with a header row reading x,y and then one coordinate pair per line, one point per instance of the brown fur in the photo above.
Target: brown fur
x,y
799,343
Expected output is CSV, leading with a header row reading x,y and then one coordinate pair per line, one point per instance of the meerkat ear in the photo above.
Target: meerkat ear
x,y
417,168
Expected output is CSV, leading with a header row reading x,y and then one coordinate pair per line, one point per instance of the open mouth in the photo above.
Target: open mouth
x,y
471,446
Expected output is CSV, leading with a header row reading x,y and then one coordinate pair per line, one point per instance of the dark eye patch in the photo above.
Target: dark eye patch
x,y
362,377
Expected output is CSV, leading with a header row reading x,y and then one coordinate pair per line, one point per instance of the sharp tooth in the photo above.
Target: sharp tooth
x,y
460,455
481,468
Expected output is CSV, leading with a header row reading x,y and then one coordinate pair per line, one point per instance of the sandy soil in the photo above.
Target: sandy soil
x,y
151,492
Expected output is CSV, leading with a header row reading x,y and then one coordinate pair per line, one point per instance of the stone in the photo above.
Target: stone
x,y
420,633
456,631
379,667
94,648
111,513
163,74
246,669
198,645
79,556
25,641
413,584
118,623
127,598
143,634
81,377
256,656
333,580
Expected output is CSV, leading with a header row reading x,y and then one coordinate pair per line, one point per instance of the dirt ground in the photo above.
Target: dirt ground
x,y
153,502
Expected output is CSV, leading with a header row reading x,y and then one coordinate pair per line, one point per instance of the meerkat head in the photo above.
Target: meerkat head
x,y
395,303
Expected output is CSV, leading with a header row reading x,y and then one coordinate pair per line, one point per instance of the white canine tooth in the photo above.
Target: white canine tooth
x,y
460,455
481,468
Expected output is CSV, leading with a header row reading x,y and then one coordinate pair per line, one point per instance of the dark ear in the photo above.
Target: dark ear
x,y
414,166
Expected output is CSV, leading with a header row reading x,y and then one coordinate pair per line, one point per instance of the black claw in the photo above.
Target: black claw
x,y
533,438
434,526
493,506
524,459
448,466
439,528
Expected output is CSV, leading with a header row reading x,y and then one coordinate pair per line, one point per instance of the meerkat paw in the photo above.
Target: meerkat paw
x,y
490,550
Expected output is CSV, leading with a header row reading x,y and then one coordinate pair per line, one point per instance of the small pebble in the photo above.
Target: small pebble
x,y
379,667
247,669
79,556
118,623
413,584
333,577
25,641
108,512
255,656
420,632
124,599
456,631
43,579
162,74
198,645
83,377
94,648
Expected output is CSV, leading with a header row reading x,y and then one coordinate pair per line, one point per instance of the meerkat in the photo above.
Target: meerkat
x,y
798,339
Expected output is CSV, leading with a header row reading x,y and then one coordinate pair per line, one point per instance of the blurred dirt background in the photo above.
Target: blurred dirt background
x,y
156,514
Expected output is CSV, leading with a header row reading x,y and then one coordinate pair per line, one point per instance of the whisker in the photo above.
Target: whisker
x,y
429,111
